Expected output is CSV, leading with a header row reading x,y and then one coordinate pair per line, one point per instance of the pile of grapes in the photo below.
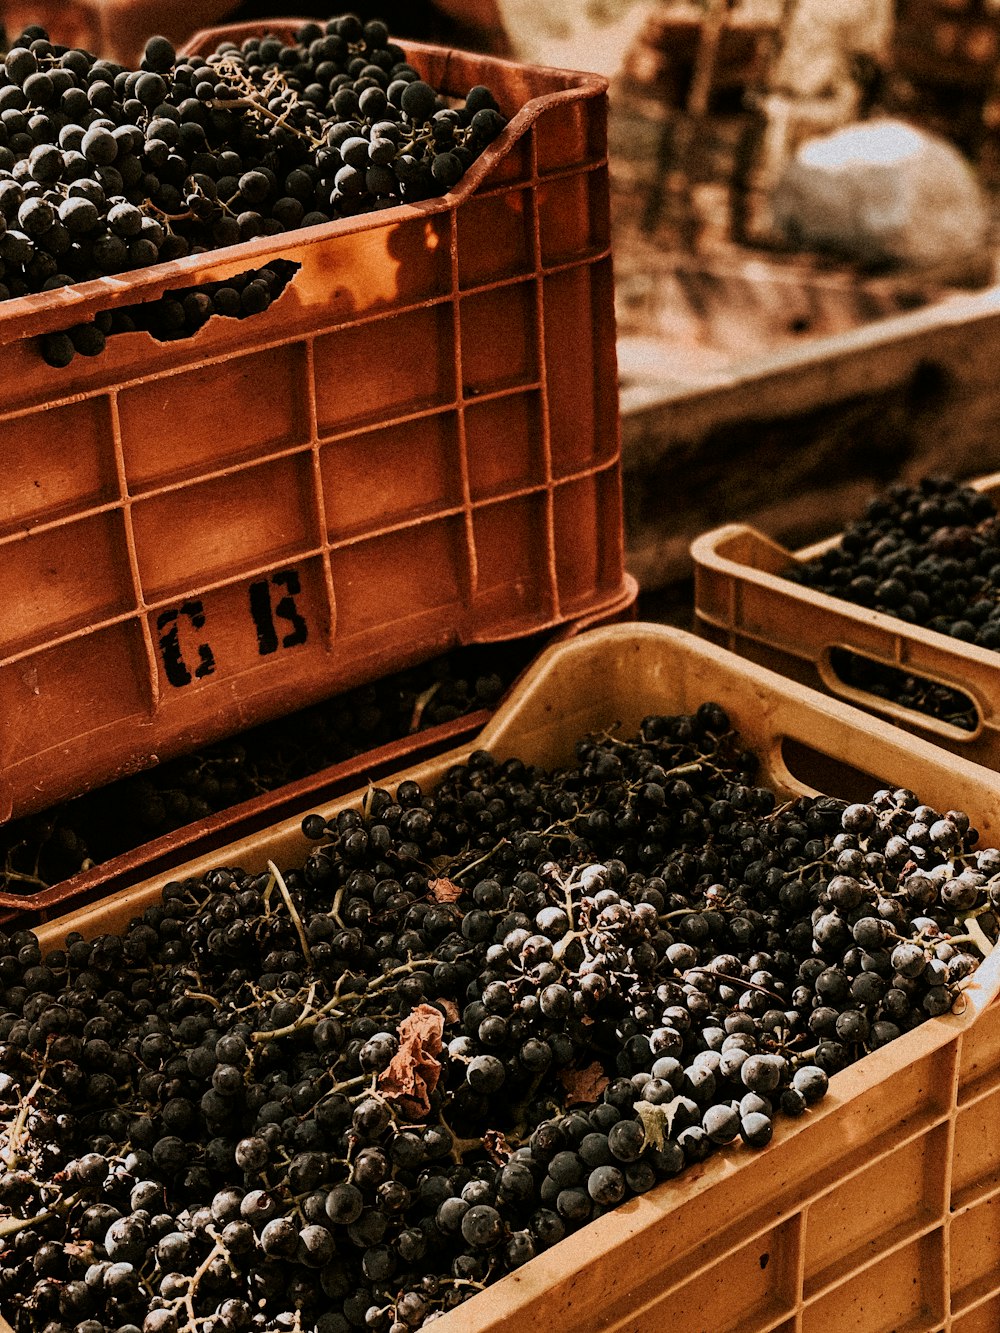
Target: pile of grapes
x,y
927,554
44,849
353,1094
104,170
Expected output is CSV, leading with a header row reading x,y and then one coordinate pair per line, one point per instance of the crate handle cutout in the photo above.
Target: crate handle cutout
x,y
530,94
818,773
842,670
174,316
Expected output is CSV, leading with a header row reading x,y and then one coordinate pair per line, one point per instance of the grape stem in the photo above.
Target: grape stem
x,y
21,1119
481,860
10,1226
20,877
251,104
187,1300
307,1020
420,703
278,878
459,1146
338,898
736,981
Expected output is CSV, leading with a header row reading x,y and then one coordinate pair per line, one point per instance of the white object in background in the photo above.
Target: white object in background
x,y
884,192
812,88
592,35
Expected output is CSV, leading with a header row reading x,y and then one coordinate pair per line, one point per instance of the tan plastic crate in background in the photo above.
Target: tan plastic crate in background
x,y
879,1210
416,446
743,603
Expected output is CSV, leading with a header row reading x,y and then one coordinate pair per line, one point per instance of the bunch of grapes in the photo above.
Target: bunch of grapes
x,y
104,170
351,1094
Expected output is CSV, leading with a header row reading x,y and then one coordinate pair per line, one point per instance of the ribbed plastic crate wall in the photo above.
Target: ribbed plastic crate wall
x,y
876,1212
743,602
416,446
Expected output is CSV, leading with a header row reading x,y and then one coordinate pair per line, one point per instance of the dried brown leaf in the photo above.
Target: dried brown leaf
x,y
444,890
497,1147
413,1072
584,1085
450,1010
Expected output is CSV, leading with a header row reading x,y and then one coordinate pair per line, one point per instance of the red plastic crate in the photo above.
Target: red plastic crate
x,y
415,447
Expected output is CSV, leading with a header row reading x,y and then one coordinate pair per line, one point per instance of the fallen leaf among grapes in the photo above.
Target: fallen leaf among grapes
x,y
444,891
449,1008
497,1147
78,1251
654,1123
584,1085
657,1121
413,1072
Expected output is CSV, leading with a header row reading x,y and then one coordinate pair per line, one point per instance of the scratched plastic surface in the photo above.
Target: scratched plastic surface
x,y
876,1212
415,447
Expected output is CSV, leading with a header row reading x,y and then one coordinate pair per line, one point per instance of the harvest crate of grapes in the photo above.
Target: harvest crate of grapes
x,y
414,446
744,601
874,1209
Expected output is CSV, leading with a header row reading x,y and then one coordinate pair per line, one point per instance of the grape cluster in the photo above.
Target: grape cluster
x,y
104,170
350,1095
41,850
930,555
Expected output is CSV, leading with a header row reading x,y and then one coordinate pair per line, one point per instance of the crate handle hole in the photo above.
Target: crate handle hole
x,y
177,315
900,692
817,772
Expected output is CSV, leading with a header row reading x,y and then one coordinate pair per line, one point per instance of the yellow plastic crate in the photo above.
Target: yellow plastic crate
x,y
876,1212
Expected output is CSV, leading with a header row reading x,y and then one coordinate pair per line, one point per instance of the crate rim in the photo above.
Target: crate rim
x,y
46,312
303,794
847,352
